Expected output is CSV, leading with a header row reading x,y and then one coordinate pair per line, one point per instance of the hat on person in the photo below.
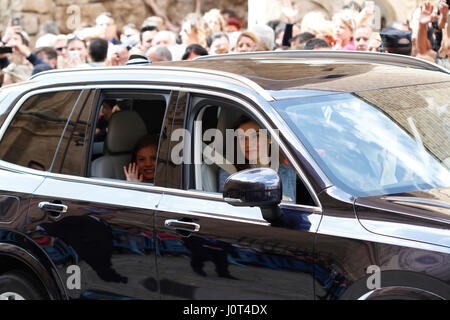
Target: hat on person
x,y
46,40
394,38
264,34
153,21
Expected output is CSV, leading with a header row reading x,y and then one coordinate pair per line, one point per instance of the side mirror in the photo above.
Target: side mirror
x,y
258,187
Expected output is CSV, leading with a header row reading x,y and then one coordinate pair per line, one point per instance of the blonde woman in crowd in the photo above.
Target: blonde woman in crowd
x,y
344,24
246,42
194,30
315,22
215,21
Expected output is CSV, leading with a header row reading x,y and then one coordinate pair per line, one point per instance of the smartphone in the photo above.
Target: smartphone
x,y
16,22
6,50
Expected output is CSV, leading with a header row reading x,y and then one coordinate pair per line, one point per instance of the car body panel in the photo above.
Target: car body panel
x,y
19,248
421,215
105,232
235,254
346,251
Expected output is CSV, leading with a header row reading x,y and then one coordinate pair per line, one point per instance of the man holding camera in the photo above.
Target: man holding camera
x,y
14,49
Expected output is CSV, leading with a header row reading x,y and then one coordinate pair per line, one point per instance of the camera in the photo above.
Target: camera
x,y
6,50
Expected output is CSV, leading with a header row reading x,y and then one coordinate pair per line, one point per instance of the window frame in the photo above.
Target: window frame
x,y
249,108
85,96
123,91
85,179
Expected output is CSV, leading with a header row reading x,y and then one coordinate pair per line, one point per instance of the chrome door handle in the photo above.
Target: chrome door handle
x,y
54,207
182,225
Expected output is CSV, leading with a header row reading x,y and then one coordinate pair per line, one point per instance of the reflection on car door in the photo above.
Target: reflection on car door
x,y
211,250
102,230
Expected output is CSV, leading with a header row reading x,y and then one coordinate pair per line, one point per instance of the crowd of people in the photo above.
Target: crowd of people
x,y
216,31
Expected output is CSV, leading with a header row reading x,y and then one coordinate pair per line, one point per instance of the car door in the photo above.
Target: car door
x,y
98,230
209,249
18,180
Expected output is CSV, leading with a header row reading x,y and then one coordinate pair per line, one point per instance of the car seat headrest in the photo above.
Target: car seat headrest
x,y
125,128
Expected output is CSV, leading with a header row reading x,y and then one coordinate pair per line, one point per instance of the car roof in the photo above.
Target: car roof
x,y
302,73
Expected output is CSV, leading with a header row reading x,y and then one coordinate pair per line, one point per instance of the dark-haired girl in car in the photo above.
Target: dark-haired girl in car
x,y
143,161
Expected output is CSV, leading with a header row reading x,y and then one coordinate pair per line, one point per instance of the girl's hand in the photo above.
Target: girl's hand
x,y
132,173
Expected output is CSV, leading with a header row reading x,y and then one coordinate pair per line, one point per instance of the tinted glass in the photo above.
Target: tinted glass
x,y
377,142
72,152
233,141
34,133
127,130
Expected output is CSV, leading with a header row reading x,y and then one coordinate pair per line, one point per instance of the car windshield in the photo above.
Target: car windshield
x,y
379,141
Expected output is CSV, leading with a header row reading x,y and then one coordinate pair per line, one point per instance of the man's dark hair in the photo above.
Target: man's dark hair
x,y
109,103
231,13
303,37
316,43
145,29
213,36
98,49
49,52
195,48
163,54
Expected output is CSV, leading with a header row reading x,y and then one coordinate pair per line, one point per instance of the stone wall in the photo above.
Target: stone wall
x,y
69,13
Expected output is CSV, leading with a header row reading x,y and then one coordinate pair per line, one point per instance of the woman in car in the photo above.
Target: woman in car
x,y
250,143
143,161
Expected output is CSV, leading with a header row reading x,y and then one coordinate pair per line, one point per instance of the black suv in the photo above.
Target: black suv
x,y
355,204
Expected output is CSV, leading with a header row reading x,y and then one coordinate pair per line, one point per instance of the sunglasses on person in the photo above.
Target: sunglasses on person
x,y
73,36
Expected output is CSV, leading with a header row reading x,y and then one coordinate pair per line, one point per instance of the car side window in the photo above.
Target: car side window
x,y
35,131
227,140
126,135
72,152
